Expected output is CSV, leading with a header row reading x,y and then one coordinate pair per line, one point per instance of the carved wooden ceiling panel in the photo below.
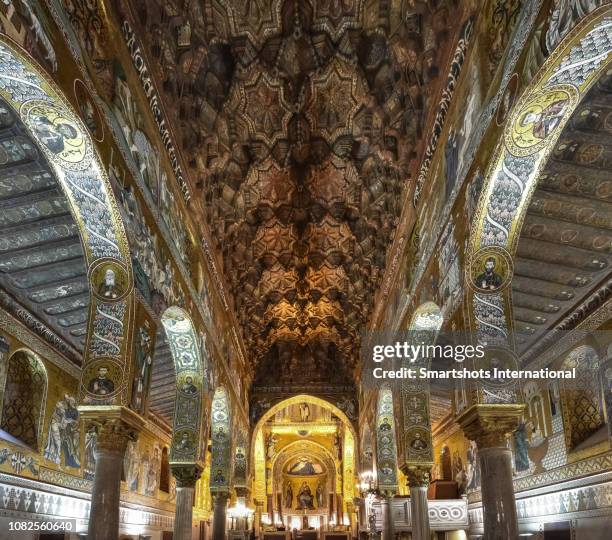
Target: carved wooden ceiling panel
x,y
565,248
303,121
42,266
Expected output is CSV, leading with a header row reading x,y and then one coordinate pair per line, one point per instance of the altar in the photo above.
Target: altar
x,y
305,520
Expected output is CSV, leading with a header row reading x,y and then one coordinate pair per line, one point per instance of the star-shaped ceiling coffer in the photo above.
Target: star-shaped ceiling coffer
x,y
309,119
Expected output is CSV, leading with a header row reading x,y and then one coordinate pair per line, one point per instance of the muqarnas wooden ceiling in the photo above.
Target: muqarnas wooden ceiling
x,y
303,122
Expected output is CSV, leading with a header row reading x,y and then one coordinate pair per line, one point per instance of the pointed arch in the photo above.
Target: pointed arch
x,y
221,433
386,447
295,450
530,135
24,398
366,446
258,449
416,446
312,400
241,458
63,140
184,346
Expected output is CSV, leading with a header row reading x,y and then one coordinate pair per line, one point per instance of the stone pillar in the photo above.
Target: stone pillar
x,y
351,508
418,482
186,477
362,513
115,427
259,506
489,426
219,515
387,532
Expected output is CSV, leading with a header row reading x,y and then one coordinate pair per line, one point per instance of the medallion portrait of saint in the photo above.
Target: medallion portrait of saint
x,y
538,119
545,121
188,387
489,279
108,288
418,443
58,134
101,385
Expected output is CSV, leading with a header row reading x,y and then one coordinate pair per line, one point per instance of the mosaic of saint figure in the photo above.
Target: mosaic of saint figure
x,y
288,496
319,493
305,499
53,135
108,288
64,435
101,385
521,458
489,279
547,120
142,369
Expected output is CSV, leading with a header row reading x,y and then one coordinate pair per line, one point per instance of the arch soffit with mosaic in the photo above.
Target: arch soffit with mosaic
x,y
184,346
529,137
415,445
222,442
64,141
386,441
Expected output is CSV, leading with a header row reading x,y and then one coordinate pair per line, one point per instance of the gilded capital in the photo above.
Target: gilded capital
x,y
242,491
115,426
490,424
220,497
186,474
419,475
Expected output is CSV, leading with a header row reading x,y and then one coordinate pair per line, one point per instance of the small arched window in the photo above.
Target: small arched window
x,y
164,474
23,403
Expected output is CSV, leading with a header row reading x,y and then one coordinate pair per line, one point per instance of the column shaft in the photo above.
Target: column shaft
x,y
219,516
387,519
104,511
498,502
186,474
489,425
114,427
183,517
420,513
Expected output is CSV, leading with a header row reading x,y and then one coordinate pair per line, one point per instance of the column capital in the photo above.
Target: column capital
x,y
115,425
186,474
490,424
242,491
418,475
220,497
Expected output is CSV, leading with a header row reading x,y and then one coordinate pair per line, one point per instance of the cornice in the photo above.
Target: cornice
x,y
71,44
18,330
473,145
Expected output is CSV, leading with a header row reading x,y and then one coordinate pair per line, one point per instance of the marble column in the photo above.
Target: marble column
x,y
387,532
489,426
115,426
219,515
259,505
186,477
362,513
418,482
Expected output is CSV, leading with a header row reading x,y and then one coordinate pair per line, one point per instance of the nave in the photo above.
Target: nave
x,y
231,229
